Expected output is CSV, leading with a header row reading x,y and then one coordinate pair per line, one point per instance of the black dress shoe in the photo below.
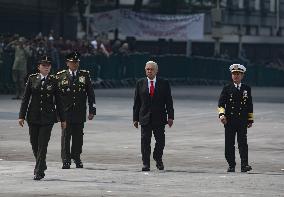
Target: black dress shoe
x,y
160,165
78,163
246,168
66,165
38,177
231,169
146,168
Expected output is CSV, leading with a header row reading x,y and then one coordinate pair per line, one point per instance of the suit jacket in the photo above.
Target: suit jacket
x,y
41,103
236,104
157,109
75,93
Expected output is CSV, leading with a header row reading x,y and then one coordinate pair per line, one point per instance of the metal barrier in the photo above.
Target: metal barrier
x,y
123,71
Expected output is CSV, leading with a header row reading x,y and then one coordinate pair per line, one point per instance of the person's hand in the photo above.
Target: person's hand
x,y
170,122
223,119
250,125
91,116
135,124
21,122
63,125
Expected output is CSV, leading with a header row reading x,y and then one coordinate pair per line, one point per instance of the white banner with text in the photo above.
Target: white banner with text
x,y
145,26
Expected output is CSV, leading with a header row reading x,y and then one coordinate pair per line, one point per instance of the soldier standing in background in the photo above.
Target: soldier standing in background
x,y
41,104
75,87
19,70
236,113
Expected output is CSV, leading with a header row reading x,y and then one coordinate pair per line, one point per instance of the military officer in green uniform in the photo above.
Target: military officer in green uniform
x,y
41,104
19,70
236,113
75,87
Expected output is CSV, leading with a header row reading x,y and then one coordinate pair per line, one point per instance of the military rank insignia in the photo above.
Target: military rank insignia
x,y
245,94
82,79
64,82
49,87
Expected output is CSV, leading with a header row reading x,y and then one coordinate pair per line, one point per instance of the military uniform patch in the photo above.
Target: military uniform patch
x,y
64,82
82,79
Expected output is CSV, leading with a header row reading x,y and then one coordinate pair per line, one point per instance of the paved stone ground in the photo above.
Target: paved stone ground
x,y
194,153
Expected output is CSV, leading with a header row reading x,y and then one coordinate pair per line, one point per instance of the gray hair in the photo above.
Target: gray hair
x,y
153,63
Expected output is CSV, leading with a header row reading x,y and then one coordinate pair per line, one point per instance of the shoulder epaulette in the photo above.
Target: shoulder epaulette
x,y
85,71
60,72
32,75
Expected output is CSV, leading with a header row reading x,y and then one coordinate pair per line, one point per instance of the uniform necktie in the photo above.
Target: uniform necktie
x,y
42,81
73,76
238,86
152,89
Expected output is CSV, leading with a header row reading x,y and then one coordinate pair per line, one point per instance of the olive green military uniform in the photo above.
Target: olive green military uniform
x,y
19,70
74,92
41,104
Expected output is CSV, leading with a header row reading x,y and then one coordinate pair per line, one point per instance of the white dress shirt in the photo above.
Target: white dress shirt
x,y
75,72
238,86
41,77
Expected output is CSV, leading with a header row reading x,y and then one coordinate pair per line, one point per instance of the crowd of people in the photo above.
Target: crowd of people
x,y
57,47
27,51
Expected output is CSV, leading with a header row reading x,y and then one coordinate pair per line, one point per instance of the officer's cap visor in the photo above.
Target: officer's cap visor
x,y
44,63
235,71
72,60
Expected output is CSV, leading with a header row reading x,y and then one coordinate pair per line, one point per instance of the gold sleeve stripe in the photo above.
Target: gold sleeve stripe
x,y
221,110
250,116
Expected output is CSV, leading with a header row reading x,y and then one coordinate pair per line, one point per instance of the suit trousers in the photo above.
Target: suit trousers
x,y
39,138
74,131
231,129
146,135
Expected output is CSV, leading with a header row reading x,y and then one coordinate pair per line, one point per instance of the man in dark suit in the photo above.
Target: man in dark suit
x,y
75,87
40,106
153,109
236,113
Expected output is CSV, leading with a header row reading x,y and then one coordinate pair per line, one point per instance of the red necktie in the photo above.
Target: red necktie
x,y
152,89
